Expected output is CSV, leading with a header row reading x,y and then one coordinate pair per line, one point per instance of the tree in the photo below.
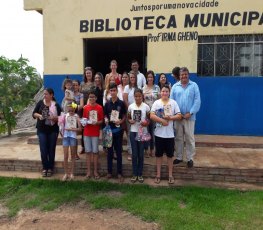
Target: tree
x,y
19,82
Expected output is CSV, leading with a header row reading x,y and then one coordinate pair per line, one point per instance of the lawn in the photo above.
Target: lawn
x,y
172,208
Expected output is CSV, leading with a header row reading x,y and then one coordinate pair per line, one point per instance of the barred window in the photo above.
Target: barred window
x,y
230,55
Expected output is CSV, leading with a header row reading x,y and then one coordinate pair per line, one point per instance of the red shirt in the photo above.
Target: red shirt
x,y
89,110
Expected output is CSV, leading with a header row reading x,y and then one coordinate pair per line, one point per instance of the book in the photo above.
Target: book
x,y
45,112
137,115
159,113
69,94
71,122
93,116
167,110
114,116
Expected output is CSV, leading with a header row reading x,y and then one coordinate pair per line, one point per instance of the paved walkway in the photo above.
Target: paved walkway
x,y
16,148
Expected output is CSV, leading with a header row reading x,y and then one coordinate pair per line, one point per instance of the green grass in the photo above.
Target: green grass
x,y
172,208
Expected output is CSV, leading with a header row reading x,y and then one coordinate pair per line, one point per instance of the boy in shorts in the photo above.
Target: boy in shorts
x,y
164,112
93,112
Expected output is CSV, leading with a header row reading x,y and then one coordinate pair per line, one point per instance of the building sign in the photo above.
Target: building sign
x,y
170,22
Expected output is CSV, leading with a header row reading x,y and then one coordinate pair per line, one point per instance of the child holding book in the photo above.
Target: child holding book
x,y
138,115
93,113
164,112
69,94
71,127
115,115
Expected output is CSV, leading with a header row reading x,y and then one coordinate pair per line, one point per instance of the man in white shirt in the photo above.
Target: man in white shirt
x,y
141,81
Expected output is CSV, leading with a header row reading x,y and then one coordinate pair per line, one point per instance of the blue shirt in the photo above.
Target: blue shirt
x,y
187,98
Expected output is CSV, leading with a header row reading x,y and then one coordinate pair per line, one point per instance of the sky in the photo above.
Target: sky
x,y
21,32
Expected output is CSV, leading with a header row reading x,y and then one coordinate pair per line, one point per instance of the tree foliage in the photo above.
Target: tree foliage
x,y
19,82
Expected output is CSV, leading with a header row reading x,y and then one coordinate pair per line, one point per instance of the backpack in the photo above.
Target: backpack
x,y
107,137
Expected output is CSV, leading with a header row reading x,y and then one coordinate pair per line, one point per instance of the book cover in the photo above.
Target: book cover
x,y
159,113
45,112
71,122
93,116
137,115
114,115
167,110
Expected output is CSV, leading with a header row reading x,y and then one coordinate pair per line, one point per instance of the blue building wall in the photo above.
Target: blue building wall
x,y
230,105
55,82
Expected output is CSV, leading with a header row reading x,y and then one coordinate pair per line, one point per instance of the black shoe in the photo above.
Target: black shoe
x,y
176,161
190,164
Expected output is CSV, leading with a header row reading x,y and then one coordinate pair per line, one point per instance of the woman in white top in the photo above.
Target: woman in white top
x,y
128,95
164,112
124,82
128,98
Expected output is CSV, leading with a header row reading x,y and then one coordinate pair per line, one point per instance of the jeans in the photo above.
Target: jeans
x,y
47,144
137,155
117,145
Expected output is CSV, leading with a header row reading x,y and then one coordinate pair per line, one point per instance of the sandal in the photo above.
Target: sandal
x,y
44,173
146,154
157,180
171,180
97,177
49,173
71,177
77,158
65,177
82,151
88,177
109,176
121,179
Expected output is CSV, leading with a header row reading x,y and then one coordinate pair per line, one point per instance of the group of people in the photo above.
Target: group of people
x,y
157,118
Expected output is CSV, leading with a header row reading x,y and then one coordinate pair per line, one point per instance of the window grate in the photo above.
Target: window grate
x,y
230,55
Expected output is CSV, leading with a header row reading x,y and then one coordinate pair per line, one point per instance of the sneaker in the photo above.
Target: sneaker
x,y
140,179
190,164
176,161
65,177
133,179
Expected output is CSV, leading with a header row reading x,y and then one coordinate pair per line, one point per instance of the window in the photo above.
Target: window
x,y
230,55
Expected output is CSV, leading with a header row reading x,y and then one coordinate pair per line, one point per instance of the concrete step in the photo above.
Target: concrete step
x,y
211,164
201,141
181,172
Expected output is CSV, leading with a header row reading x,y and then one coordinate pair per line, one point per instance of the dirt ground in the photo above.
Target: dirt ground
x,y
74,217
